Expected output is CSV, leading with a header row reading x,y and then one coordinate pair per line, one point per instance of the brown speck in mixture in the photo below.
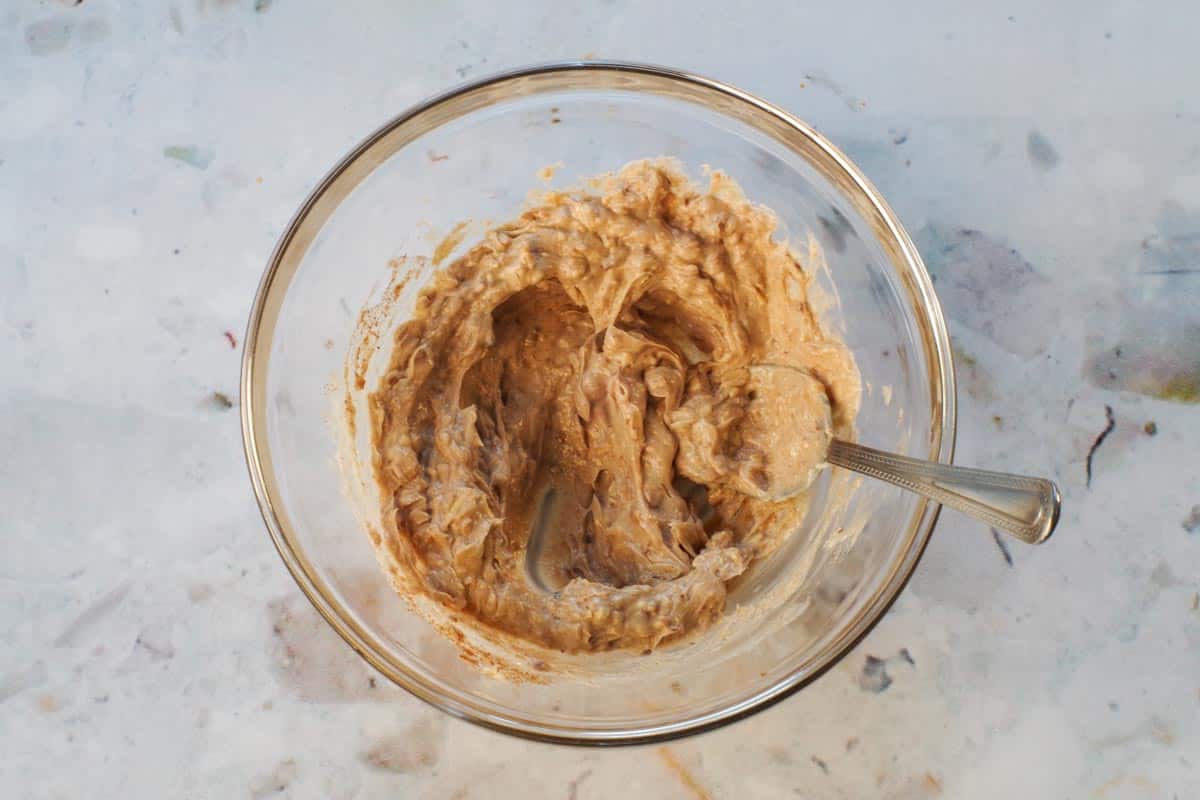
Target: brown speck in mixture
x,y
851,743
229,337
329,344
1150,428
436,157
48,703
821,765
352,429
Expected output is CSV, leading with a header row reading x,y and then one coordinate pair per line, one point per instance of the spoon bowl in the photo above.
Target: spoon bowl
x,y
1026,507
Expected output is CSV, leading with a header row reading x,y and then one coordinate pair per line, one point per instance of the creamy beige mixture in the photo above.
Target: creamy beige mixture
x,y
595,368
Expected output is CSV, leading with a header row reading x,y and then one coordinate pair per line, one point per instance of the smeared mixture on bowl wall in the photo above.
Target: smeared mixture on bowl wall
x,y
590,366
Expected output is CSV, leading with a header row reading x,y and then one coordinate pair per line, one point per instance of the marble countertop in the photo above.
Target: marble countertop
x,y
1046,156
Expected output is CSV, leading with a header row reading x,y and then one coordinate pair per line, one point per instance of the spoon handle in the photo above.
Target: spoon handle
x,y
1025,507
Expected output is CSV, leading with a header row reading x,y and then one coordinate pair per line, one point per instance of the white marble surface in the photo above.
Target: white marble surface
x,y
1046,156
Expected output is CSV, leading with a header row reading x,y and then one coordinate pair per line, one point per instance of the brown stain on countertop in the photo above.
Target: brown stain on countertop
x,y
672,763
415,749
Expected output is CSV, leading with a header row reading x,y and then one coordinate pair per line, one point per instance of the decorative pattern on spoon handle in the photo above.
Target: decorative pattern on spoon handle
x,y
1026,507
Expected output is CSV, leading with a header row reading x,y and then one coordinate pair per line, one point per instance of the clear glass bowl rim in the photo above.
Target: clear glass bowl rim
x,y
288,254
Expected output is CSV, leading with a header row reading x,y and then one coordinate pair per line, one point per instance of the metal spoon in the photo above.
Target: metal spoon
x,y
535,546
1025,507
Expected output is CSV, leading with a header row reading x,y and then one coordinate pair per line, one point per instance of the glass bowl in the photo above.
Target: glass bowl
x,y
473,154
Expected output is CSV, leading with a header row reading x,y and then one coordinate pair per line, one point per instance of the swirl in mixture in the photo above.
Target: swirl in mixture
x,y
590,367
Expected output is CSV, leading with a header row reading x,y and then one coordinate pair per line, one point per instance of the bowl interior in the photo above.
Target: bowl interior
x,y
472,158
